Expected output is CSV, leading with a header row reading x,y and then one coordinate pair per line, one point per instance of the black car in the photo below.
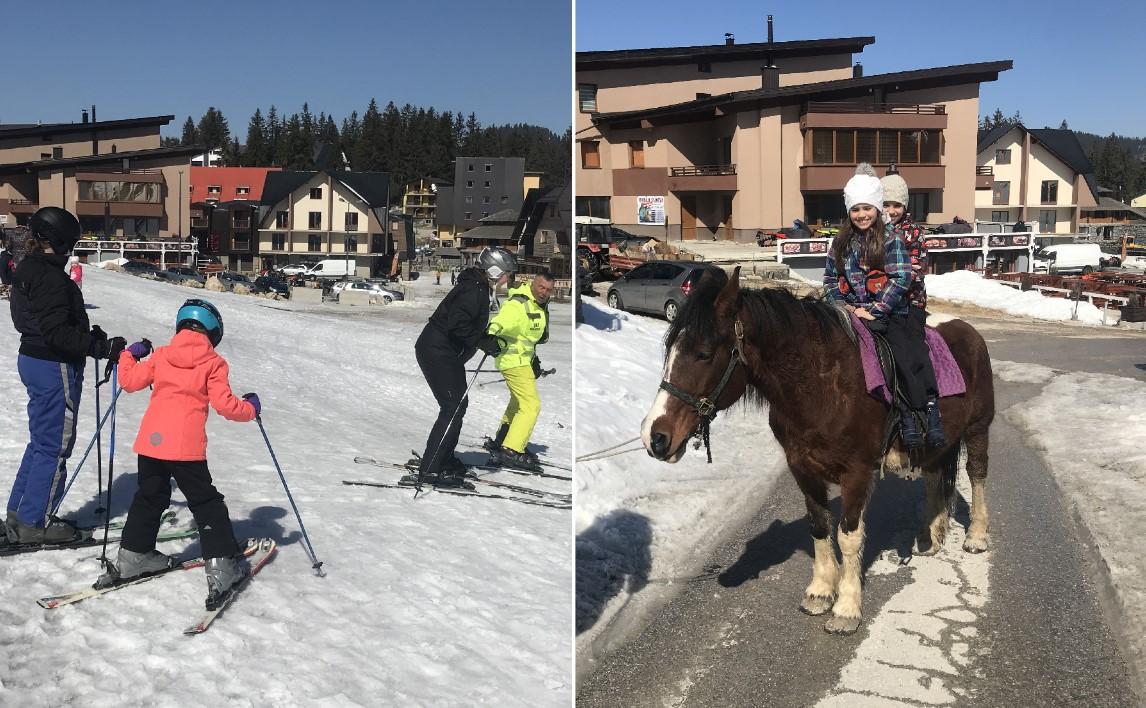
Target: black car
x,y
181,274
269,283
146,269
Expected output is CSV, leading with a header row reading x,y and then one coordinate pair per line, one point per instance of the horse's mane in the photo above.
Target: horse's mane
x,y
770,313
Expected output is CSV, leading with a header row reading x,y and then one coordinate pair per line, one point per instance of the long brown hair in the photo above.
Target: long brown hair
x,y
870,246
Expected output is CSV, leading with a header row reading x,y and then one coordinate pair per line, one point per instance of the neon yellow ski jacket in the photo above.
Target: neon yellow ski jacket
x,y
523,323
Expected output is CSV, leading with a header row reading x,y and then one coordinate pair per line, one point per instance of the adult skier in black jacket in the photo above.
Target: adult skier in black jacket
x,y
455,331
55,339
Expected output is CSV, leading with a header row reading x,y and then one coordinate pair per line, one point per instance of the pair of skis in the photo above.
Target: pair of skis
x,y
532,497
96,539
475,479
258,552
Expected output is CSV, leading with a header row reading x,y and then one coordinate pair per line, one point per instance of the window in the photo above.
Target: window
x,y
1001,194
484,214
45,156
591,155
909,146
214,189
315,220
587,98
351,221
469,168
641,272
469,216
888,147
636,153
593,206
242,190
57,153
1003,157
701,96
282,220
469,183
929,147
469,199
1001,217
846,146
313,242
822,147
488,167
504,199
316,192
865,145
1047,221
485,200
704,67
487,184
351,243
919,204
278,242
1049,192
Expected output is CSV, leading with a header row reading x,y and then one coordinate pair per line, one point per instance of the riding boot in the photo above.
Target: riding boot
x,y
935,434
909,429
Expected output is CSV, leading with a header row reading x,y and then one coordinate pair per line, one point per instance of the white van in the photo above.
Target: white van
x,y
332,268
1069,258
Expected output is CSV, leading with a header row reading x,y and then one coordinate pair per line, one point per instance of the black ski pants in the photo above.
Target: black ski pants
x,y
912,357
446,375
154,494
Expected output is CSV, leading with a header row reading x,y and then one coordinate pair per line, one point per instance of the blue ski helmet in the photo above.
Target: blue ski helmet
x,y
201,315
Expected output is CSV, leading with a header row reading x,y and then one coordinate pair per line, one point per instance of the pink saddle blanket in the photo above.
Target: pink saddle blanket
x,y
947,373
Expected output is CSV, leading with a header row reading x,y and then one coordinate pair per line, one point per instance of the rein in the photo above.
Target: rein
x,y
705,406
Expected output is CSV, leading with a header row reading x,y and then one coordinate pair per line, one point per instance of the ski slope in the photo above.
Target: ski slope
x,y
438,601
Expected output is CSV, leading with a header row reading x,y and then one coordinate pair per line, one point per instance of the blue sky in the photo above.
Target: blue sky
x,y
1084,63
508,61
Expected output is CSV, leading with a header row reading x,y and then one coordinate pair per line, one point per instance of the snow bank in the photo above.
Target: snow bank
x,y
967,287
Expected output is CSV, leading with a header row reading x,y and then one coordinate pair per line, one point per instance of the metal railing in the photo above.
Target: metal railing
x,y
703,170
849,107
985,170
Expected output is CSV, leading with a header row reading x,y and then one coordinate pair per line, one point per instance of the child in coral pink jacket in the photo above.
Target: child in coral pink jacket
x,y
186,375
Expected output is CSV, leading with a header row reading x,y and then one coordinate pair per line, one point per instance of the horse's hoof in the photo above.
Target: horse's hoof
x,y
842,625
975,544
816,605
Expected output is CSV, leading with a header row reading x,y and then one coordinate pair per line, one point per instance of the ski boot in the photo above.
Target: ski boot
x,y
130,565
493,444
453,473
223,574
507,457
936,437
56,531
909,430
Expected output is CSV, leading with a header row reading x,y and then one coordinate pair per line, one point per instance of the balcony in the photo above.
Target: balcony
x,y
847,114
702,178
984,177
832,178
22,206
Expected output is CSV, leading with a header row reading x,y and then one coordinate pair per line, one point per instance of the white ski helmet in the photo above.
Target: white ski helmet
x,y
495,261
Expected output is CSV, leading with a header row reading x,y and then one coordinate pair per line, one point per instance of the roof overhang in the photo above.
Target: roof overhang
x,y
713,53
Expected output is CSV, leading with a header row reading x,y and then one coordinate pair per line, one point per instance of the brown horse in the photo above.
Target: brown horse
x,y
800,356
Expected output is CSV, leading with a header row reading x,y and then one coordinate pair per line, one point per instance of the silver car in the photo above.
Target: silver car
x,y
658,287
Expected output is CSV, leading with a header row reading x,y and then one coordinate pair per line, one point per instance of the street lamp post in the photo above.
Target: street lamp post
x,y
346,237
179,226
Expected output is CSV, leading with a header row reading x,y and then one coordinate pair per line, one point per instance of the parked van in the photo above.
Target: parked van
x,y
1070,258
332,268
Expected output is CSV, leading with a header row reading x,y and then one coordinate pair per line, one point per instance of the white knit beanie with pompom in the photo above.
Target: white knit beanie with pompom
x,y
864,188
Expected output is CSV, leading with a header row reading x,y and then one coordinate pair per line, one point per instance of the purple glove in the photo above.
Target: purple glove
x,y
253,399
140,349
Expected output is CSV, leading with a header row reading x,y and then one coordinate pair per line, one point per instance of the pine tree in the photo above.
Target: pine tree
x,y
368,148
213,130
256,150
190,134
1064,126
351,135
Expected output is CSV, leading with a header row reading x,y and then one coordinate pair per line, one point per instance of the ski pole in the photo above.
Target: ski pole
x,y
87,451
316,564
544,373
110,465
438,447
98,441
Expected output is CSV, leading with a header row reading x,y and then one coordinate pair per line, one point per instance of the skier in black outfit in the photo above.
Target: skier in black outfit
x,y
455,331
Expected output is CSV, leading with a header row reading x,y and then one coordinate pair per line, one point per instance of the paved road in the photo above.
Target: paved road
x,y
1022,625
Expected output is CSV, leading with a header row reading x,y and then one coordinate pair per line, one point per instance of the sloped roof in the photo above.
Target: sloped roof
x,y
373,187
500,216
227,179
19,131
1106,204
987,138
661,56
499,231
1063,144
707,108
115,157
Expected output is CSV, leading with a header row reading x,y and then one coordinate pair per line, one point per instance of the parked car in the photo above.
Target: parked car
x,y
181,274
297,268
332,268
269,283
659,287
1082,258
147,269
388,295
230,278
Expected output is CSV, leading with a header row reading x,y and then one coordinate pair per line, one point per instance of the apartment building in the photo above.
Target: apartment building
x,y
420,200
482,186
1035,176
733,138
310,216
113,175
225,211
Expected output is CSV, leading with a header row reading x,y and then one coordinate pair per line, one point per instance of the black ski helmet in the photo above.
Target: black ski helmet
x,y
57,227
203,316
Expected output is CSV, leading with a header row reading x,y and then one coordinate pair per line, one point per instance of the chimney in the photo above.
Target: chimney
x,y
769,29
85,111
769,77
729,39
857,71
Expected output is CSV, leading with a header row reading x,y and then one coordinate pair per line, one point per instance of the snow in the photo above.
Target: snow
x,y
438,601
642,525
970,288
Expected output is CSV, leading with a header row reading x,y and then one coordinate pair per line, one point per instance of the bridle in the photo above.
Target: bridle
x,y
705,406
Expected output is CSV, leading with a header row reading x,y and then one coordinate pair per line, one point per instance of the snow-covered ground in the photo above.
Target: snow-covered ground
x,y
967,287
440,601
641,523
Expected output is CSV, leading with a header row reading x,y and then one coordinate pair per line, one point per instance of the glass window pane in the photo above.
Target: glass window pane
x,y
929,147
865,146
85,191
99,191
821,147
888,146
845,146
909,146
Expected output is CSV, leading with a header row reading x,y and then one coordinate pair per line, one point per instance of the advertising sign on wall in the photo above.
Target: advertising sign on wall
x,y
651,211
